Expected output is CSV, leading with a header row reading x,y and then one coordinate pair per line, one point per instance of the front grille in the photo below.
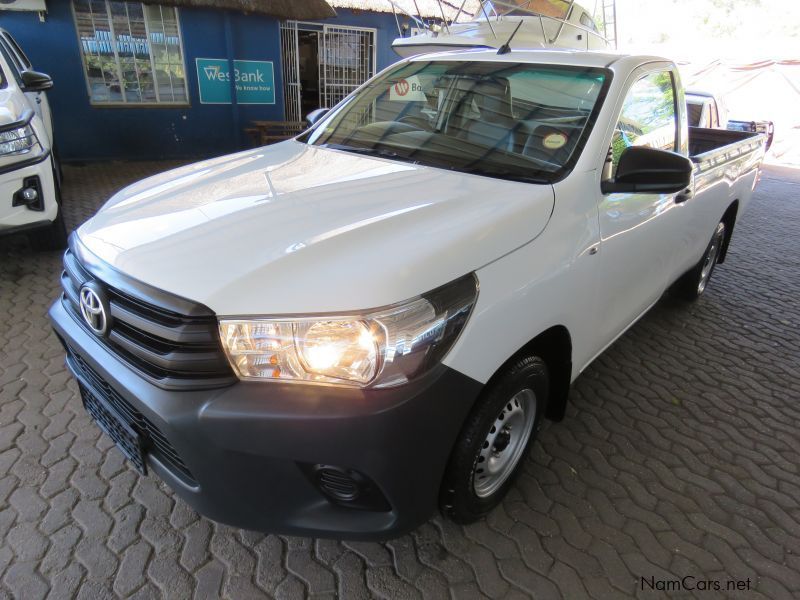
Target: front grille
x,y
153,440
173,350
116,428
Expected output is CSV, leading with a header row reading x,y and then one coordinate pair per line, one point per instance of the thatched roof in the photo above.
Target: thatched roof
x,y
310,10
429,9
301,10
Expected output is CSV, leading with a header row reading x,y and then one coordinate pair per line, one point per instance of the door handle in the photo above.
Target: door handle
x,y
685,195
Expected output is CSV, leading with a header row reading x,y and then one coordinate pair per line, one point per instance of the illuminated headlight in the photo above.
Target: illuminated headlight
x,y
381,348
15,142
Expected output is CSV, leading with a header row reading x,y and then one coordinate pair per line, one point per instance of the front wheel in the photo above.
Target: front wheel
x,y
494,441
692,285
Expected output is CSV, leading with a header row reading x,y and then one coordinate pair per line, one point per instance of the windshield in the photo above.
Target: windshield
x,y
507,120
557,9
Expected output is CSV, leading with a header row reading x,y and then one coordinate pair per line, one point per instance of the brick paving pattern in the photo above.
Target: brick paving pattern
x,y
680,455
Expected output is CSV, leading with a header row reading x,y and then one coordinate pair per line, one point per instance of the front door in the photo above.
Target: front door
x,y
290,67
300,51
637,231
322,64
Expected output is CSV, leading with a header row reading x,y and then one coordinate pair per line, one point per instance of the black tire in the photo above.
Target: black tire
x,y
694,283
460,500
54,236
58,172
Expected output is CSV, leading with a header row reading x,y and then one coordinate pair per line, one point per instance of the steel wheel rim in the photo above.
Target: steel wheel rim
x,y
505,443
711,260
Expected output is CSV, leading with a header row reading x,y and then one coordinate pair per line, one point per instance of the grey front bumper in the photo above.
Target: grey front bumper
x,y
248,447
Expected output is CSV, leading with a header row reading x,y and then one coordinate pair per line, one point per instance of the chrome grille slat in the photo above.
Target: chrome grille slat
x,y
69,288
75,272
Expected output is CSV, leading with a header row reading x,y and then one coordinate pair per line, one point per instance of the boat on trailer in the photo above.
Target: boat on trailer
x,y
489,23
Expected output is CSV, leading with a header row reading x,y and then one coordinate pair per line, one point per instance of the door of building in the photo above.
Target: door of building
x,y
290,67
322,64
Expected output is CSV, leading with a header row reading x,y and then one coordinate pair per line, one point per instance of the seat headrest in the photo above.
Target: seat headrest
x,y
493,97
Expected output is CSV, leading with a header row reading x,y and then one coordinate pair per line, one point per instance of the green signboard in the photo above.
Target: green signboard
x,y
255,81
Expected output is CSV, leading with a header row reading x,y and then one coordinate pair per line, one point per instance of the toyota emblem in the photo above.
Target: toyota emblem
x,y
93,308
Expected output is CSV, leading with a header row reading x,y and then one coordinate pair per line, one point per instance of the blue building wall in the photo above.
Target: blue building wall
x,y
84,132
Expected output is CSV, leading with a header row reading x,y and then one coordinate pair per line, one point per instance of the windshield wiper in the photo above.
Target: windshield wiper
x,y
371,152
508,174
442,162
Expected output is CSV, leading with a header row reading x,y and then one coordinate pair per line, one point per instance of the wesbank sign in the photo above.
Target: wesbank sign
x,y
255,81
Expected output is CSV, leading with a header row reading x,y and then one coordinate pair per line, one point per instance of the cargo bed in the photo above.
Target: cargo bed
x,y
724,154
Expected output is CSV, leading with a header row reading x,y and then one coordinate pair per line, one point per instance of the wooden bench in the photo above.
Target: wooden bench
x,y
269,132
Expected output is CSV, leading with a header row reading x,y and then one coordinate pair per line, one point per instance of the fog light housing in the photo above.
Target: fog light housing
x,y
30,194
346,487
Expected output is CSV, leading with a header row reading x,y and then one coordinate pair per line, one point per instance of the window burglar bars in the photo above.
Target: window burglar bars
x,y
120,41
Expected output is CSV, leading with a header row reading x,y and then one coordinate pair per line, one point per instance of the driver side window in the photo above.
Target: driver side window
x,y
648,117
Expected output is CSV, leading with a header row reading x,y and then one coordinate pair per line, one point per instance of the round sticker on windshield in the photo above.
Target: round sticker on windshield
x,y
553,141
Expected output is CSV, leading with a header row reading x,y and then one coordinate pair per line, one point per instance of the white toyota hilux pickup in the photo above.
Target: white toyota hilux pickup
x,y
29,176
339,333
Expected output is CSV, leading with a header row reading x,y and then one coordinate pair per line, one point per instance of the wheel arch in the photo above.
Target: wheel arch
x,y
729,218
554,346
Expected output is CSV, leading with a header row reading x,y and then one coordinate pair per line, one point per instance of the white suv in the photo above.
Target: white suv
x,y
29,177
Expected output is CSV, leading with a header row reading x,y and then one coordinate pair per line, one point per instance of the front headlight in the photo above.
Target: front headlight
x,y
18,141
380,348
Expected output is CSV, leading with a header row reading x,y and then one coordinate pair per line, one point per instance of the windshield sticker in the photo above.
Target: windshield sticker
x,y
407,90
554,141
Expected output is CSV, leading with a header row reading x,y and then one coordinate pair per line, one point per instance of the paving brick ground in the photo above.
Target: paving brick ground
x,y
680,455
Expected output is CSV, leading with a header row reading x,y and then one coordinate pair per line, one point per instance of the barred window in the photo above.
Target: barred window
x,y
132,52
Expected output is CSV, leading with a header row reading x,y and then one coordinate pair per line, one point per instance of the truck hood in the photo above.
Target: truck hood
x,y
294,228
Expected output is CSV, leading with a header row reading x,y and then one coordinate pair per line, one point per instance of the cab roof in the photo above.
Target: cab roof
x,y
579,58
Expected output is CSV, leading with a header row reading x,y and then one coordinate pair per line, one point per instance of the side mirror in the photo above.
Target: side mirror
x,y
315,115
650,171
33,81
